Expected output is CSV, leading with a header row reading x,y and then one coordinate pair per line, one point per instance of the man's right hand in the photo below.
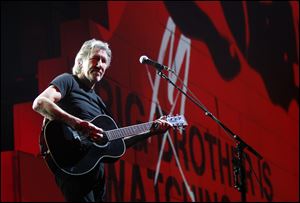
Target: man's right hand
x,y
90,130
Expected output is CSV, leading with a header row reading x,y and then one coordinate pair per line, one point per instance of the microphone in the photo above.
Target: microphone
x,y
145,60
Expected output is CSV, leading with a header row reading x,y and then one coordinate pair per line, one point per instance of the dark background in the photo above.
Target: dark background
x,y
29,33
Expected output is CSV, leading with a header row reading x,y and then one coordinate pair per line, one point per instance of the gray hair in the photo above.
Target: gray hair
x,y
86,50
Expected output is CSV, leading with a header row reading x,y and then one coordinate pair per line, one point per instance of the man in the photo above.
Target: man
x,y
71,99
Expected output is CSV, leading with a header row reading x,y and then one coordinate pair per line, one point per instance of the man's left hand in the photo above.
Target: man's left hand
x,y
160,126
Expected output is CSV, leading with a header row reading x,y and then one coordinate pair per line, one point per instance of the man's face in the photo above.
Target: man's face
x,y
94,67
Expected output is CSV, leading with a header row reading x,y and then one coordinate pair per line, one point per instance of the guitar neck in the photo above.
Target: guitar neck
x,y
128,131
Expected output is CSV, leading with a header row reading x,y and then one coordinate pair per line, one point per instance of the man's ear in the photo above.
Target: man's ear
x,y
79,62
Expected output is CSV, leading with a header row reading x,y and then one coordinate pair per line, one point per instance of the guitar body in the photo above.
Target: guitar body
x,y
74,153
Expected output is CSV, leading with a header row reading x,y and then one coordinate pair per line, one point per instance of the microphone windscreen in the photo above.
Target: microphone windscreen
x,y
143,58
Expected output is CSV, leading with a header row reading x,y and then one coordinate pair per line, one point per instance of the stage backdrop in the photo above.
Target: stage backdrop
x,y
238,60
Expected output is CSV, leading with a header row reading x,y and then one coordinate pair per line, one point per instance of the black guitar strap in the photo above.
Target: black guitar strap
x,y
103,107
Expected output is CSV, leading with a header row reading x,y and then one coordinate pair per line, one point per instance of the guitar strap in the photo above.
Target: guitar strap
x,y
103,107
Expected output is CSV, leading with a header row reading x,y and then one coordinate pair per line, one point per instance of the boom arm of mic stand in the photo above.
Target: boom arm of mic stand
x,y
207,113
239,168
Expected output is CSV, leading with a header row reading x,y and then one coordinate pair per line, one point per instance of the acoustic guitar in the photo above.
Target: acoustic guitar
x,y
76,154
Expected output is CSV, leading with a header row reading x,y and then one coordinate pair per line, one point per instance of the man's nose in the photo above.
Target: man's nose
x,y
100,63
100,66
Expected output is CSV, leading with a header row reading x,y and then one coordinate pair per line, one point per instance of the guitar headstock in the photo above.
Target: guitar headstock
x,y
177,121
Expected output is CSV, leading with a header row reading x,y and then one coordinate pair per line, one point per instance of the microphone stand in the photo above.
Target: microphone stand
x,y
239,170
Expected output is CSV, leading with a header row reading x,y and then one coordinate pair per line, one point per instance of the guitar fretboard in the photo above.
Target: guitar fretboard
x,y
128,131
